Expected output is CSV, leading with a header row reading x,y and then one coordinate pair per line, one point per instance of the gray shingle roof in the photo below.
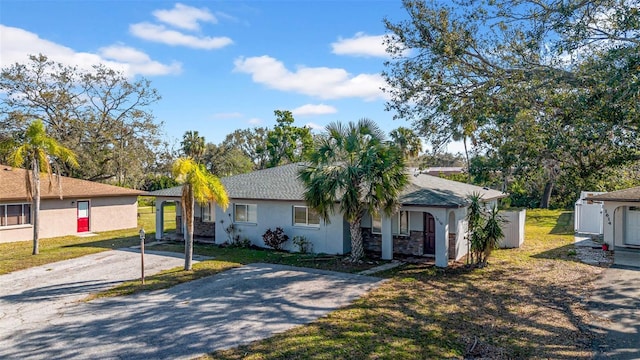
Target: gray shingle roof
x,y
427,190
628,195
281,183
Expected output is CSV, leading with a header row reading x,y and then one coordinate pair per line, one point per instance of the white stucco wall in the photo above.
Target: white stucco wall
x,y
614,226
327,238
59,218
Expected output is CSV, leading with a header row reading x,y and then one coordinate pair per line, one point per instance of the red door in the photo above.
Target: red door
x,y
429,233
83,216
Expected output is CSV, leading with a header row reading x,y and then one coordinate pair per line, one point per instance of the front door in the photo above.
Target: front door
x,y
83,216
429,233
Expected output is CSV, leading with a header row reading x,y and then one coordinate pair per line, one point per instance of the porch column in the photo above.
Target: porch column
x,y
159,219
387,238
442,238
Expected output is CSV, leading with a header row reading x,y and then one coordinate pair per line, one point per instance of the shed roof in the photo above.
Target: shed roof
x,y
282,183
625,195
12,187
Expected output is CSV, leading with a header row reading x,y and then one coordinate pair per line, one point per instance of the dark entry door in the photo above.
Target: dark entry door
x,y
429,233
83,216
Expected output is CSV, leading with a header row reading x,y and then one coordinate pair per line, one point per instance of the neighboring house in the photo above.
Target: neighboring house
x,y
621,220
443,170
430,222
85,207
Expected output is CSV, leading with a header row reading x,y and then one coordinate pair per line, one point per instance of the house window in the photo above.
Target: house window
x,y
304,216
399,223
208,213
247,213
15,214
376,224
403,223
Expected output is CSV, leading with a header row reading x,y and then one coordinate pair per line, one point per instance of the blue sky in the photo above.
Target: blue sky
x,y
221,66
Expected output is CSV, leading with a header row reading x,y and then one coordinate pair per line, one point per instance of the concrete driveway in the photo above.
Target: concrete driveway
x,y
615,305
40,317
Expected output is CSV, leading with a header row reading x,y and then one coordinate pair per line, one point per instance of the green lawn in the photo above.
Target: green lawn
x,y
525,304
17,255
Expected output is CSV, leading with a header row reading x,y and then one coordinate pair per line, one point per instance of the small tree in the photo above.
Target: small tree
x,y
275,238
198,185
38,151
485,230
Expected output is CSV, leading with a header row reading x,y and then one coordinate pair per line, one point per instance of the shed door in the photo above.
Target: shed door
x,y
632,231
429,233
83,216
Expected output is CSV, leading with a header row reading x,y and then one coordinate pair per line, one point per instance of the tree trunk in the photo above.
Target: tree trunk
x,y
188,242
357,249
466,155
35,201
546,196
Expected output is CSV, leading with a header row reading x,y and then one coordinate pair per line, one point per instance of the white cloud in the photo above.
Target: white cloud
x,y
314,126
321,82
231,115
160,34
185,17
18,44
254,121
313,109
361,45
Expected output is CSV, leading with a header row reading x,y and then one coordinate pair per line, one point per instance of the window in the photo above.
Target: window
x,y
376,223
399,223
15,214
247,213
304,216
208,213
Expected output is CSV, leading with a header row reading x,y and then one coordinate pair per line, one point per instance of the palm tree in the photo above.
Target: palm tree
x,y
352,165
407,141
200,185
193,145
39,151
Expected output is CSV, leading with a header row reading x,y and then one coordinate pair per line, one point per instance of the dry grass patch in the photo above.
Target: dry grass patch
x,y
526,304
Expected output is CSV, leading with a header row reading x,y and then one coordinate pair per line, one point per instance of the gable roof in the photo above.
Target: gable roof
x,y
282,183
627,195
434,191
12,187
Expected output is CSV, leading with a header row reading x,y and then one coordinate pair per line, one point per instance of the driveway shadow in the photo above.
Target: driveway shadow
x,y
191,319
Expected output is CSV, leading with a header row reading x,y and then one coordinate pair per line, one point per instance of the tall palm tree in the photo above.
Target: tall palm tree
x,y
193,145
352,165
39,151
407,140
200,185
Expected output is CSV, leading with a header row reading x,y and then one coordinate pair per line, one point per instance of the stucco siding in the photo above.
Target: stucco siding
x,y
327,238
59,218
113,213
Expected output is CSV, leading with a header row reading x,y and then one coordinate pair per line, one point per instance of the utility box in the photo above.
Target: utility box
x,y
588,217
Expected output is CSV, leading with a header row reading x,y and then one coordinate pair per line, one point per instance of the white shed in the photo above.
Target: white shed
x,y
588,214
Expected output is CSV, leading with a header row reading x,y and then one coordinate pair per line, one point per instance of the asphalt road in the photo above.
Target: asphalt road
x,y
41,317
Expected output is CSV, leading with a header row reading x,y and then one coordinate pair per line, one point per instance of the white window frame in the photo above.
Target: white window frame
x,y
307,211
378,218
207,212
248,212
24,215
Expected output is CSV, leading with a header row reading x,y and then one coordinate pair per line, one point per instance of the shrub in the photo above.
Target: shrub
x,y
304,245
245,243
275,238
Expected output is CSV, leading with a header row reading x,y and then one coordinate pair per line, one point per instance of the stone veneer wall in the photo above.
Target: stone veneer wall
x,y
204,229
452,246
406,245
